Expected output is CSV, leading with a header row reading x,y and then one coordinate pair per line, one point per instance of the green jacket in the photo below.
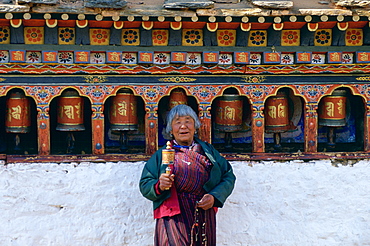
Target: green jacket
x,y
220,184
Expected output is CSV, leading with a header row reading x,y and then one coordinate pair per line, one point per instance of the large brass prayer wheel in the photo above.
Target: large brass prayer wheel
x,y
177,97
332,109
229,113
70,112
18,116
277,114
123,112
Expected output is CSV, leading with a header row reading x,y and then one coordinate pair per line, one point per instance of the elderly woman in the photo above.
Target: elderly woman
x,y
185,201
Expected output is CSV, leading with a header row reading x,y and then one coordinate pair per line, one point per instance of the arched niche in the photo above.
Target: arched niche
x,y
344,133
231,122
177,95
284,122
18,123
124,123
67,136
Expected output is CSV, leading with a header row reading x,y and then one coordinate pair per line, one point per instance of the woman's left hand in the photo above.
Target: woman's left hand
x,y
206,202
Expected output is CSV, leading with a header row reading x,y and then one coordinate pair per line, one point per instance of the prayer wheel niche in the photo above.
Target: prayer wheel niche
x,y
177,97
229,116
18,116
332,113
277,116
123,116
70,116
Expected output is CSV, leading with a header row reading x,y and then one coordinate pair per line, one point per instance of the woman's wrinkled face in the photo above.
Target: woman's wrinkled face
x,y
183,130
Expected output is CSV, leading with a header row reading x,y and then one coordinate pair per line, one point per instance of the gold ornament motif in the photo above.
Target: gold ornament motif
x,y
367,78
177,79
92,79
2,79
254,79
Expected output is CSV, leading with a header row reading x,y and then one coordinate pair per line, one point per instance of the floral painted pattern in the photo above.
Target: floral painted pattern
x,y
160,37
225,59
161,58
226,37
290,38
4,56
192,37
34,35
287,59
347,58
257,38
66,35
97,57
130,37
33,57
193,58
255,59
318,58
323,37
4,35
129,58
65,57
99,36
354,37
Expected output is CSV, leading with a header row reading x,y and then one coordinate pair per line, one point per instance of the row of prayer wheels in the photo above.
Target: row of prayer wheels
x,y
123,114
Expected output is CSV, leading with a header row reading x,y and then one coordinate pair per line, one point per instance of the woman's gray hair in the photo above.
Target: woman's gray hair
x,y
181,110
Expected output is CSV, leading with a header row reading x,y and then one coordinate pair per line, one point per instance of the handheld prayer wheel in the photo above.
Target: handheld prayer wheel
x,y
123,112
18,116
177,97
168,157
229,115
70,112
277,116
332,113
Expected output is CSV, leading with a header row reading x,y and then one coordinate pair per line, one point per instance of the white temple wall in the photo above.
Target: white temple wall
x,y
99,204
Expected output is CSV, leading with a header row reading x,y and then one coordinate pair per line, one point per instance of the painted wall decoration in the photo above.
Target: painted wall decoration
x,y
226,37
160,37
323,37
4,35
257,38
129,58
354,37
192,37
97,57
130,37
33,57
66,35
99,36
290,38
34,35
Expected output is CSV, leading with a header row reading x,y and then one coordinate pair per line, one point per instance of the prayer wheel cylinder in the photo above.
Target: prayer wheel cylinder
x,y
70,112
229,113
123,112
277,113
332,109
18,116
177,97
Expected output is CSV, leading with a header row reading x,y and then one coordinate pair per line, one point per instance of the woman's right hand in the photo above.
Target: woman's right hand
x,y
165,181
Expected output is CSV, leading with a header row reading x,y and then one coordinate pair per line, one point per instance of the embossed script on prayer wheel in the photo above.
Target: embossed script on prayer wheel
x,y
123,112
229,113
277,114
332,109
18,116
70,112
177,97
